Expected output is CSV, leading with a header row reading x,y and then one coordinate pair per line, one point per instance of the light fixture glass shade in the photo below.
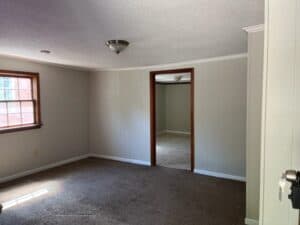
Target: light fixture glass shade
x,y
178,78
117,46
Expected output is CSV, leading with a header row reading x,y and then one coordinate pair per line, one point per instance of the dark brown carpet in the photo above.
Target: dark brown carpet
x,y
103,192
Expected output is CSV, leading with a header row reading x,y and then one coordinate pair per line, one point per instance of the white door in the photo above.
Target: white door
x,y
281,109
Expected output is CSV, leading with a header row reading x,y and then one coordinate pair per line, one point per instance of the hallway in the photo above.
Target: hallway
x,y
173,150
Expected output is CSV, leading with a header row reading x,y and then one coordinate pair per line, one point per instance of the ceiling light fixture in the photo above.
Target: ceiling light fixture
x,y
178,78
44,51
117,46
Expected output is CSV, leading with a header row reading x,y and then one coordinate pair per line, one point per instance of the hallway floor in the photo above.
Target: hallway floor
x,y
173,151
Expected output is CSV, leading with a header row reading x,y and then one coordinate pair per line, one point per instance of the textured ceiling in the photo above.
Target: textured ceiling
x,y
160,31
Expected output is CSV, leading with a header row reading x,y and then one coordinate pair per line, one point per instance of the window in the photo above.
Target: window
x,y
19,101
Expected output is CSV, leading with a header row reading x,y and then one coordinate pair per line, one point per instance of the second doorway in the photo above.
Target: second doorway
x,y
173,119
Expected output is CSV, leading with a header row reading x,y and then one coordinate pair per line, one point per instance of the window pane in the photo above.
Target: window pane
x,y
27,112
8,83
27,118
3,108
9,88
25,83
13,83
13,107
2,83
11,94
2,97
25,95
27,107
3,115
3,120
14,119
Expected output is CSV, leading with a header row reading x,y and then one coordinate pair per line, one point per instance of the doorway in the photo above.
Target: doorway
x,y
159,142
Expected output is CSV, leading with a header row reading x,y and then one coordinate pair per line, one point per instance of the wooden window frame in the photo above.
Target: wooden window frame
x,y
35,83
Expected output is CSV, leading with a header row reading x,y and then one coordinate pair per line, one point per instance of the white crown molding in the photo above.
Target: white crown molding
x,y
85,69
220,175
120,159
251,221
40,169
185,63
58,65
253,29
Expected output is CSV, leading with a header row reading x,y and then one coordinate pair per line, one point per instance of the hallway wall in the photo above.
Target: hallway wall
x,y
173,107
178,109
160,108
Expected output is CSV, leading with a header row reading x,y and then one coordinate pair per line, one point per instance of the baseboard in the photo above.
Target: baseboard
x,y
177,132
40,169
160,132
120,159
220,175
251,222
133,161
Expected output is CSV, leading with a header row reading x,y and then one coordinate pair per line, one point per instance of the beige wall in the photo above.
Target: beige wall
x,y
173,107
254,109
120,115
117,108
64,101
160,102
220,116
178,107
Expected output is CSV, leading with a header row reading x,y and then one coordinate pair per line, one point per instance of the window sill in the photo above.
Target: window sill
x,y
22,128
